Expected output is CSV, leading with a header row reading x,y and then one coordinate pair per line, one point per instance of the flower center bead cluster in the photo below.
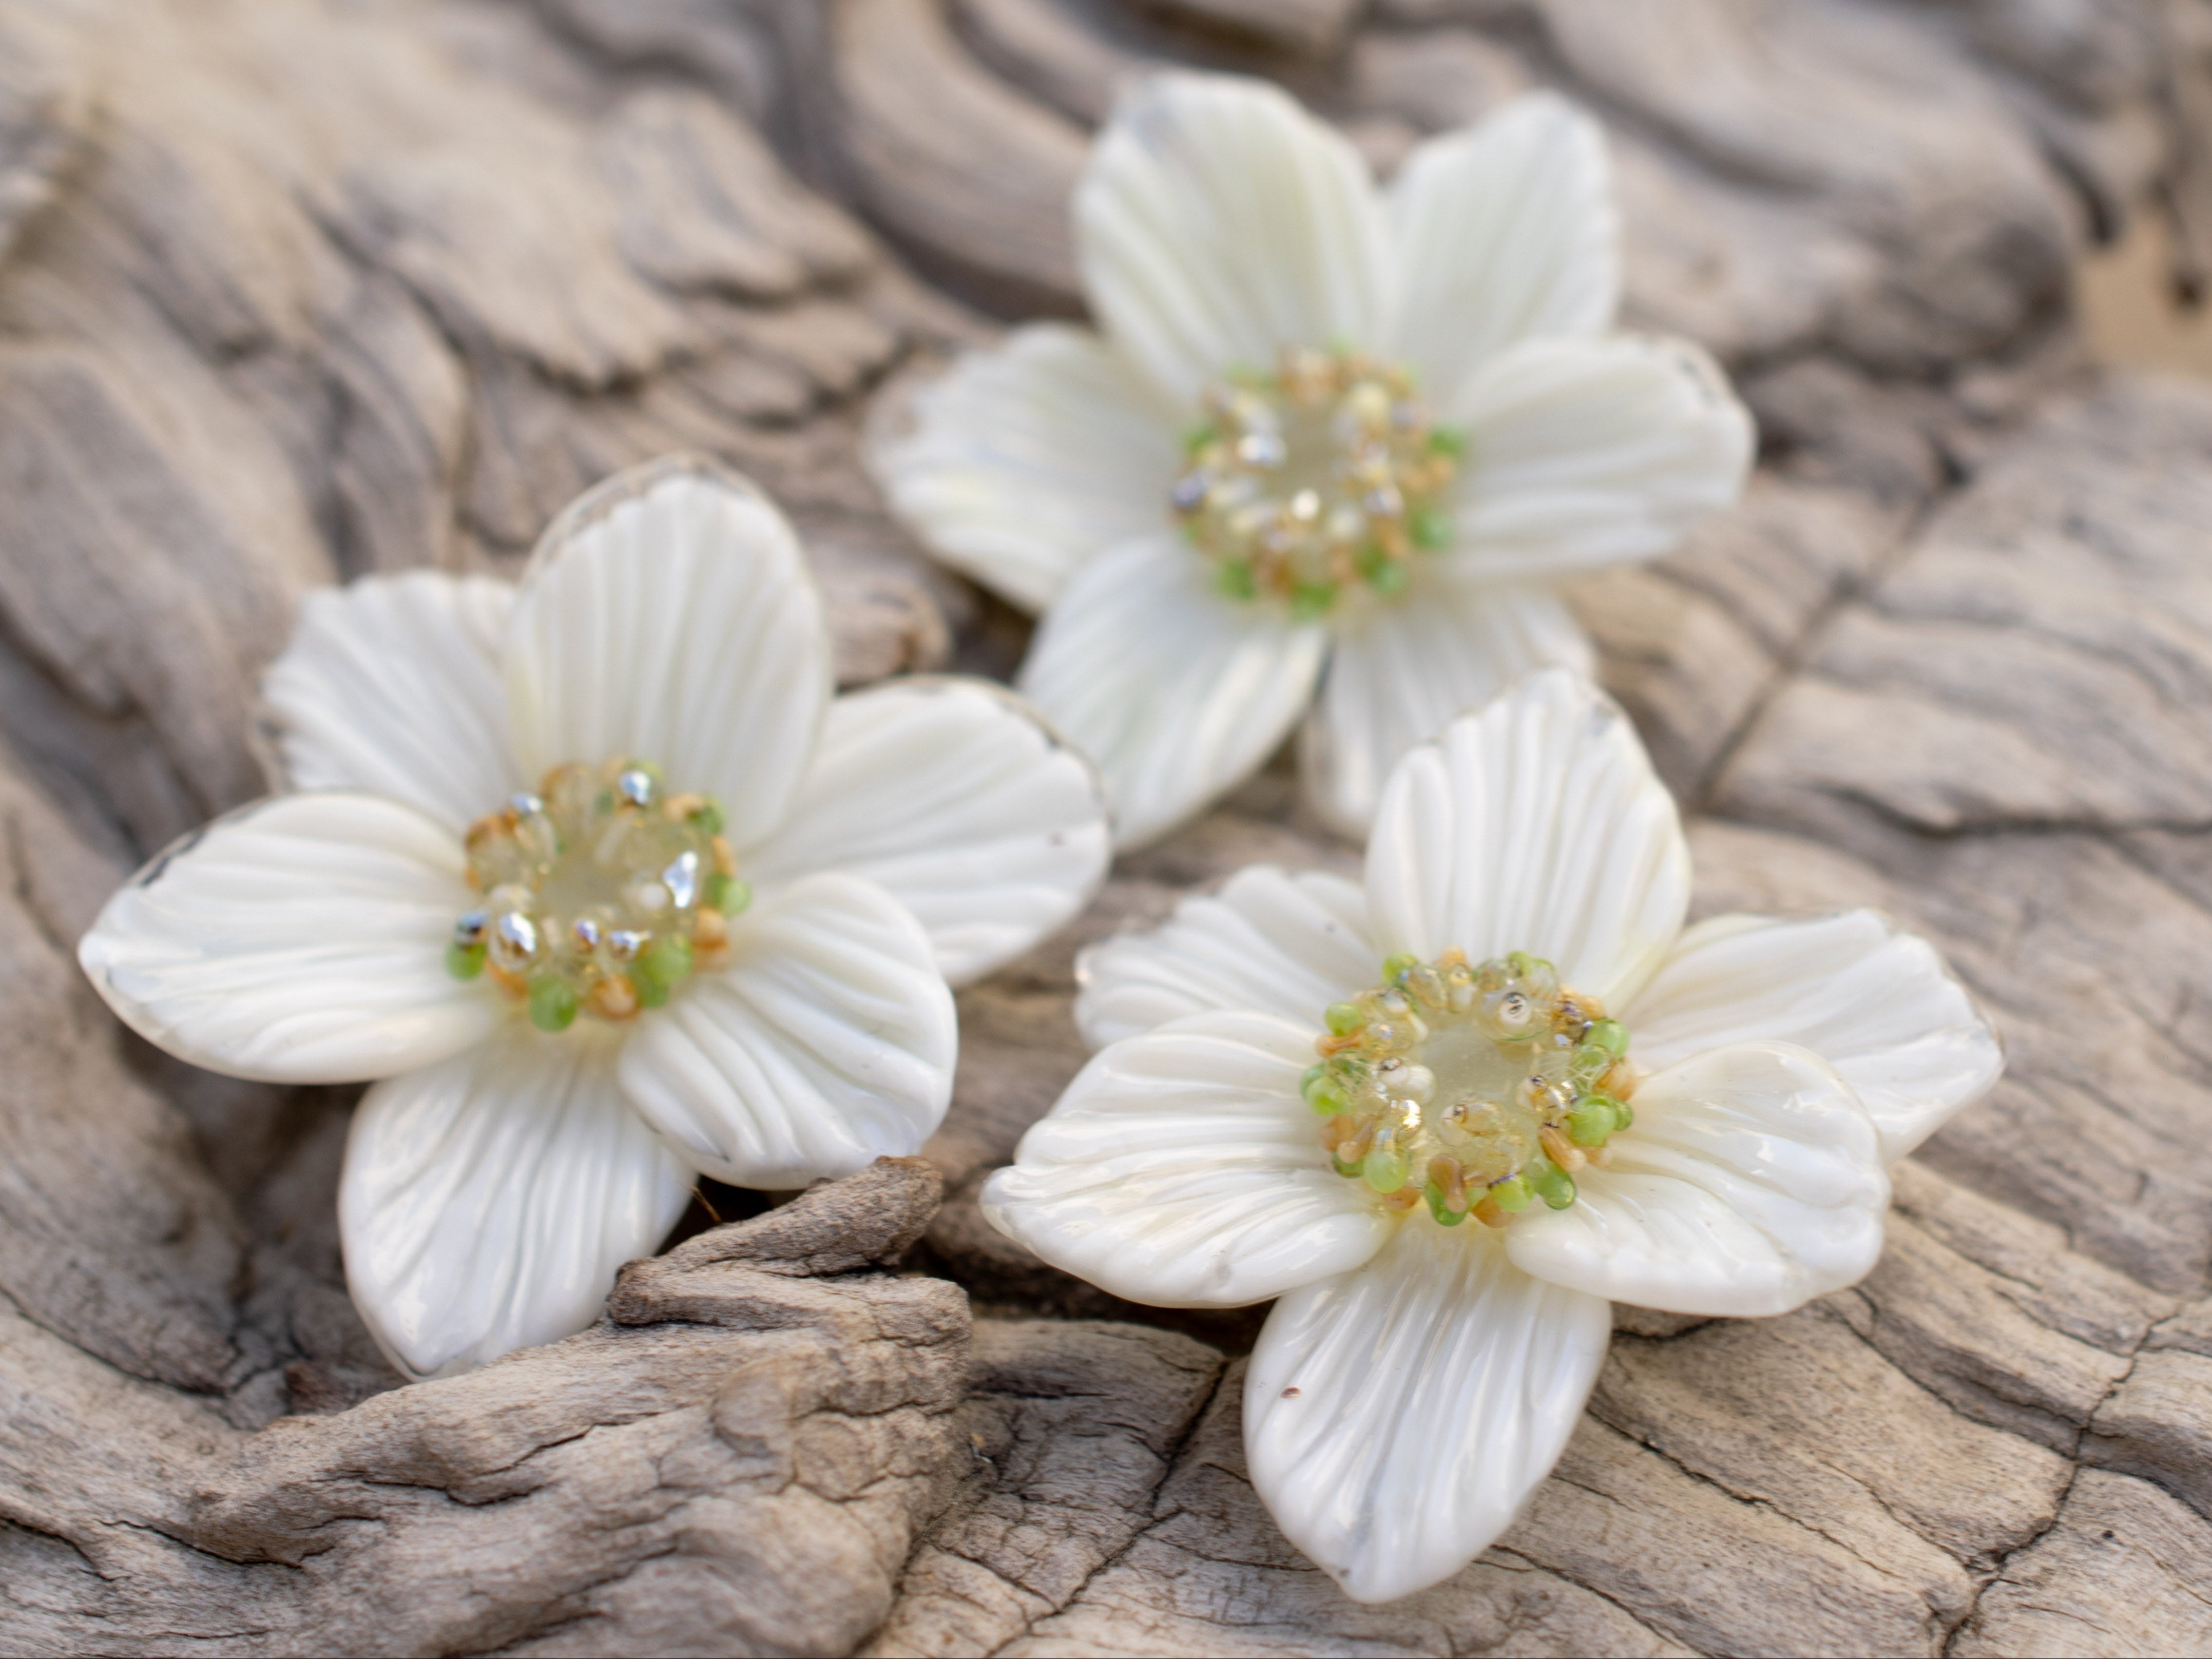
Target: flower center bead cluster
x,y
1326,473
1476,1088
602,891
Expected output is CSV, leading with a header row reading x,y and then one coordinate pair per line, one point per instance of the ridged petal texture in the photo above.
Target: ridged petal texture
x,y
1873,1001
956,799
668,615
1396,1416
1029,458
1398,671
1534,826
1176,693
827,1043
1180,1169
1282,944
1752,1182
1503,231
391,685
487,1201
1584,453
299,939
1218,222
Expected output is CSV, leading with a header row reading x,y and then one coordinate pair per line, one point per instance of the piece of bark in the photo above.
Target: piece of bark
x,y
739,1466
279,292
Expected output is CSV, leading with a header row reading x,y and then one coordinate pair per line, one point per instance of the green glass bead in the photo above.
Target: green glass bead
x,y
1445,1215
464,960
1309,601
1624,1117
1448,441
1342,1168
1609,1035
1590,1124
1512,1194
1234,579
1430,527
1382,573
1400,963
1551,1183
552,1004
657,970
1384,1168
1344,1019
706,818
667,959
1323,1092
726,894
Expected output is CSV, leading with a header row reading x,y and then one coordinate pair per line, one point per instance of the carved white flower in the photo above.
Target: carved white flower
x,y
1332,449
1548,1096
596,878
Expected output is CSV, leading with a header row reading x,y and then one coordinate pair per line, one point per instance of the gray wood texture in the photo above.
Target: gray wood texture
x,y
295,289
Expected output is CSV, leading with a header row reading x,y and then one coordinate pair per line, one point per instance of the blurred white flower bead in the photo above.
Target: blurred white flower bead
x,y
599,884
1329,452
1549,1096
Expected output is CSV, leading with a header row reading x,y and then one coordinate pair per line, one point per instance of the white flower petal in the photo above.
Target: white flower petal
x,y
1287,944
299,939
1750,1182
1872,1000
1536,825
668,615
1218,222
953,797
1397,1417
487,1201
1025,460
1504,231
1181,1169
1401,669
1585,452
827,1043
1176,693
391,685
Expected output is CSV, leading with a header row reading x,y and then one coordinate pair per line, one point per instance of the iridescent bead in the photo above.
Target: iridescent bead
x,y
681,878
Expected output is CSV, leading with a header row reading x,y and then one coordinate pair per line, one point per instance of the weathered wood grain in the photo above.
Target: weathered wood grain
x,y
296,289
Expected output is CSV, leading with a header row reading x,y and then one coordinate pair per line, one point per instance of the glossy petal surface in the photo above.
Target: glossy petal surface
x,y
668,615
1177,694
1397,1416
1180,1169
1872,1000
391,685
1027,459
826,1042
1282,944
300,939
1399,671
1584,453
1535,825
1751,1182
954,797
487,1201
1218,222
1506,231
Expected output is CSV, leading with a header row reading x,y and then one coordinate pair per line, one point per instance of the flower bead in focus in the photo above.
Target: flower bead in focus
x,y
1447,1114
1329,452
599,885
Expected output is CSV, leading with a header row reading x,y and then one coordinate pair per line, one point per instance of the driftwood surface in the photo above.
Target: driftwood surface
x,y
295,289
